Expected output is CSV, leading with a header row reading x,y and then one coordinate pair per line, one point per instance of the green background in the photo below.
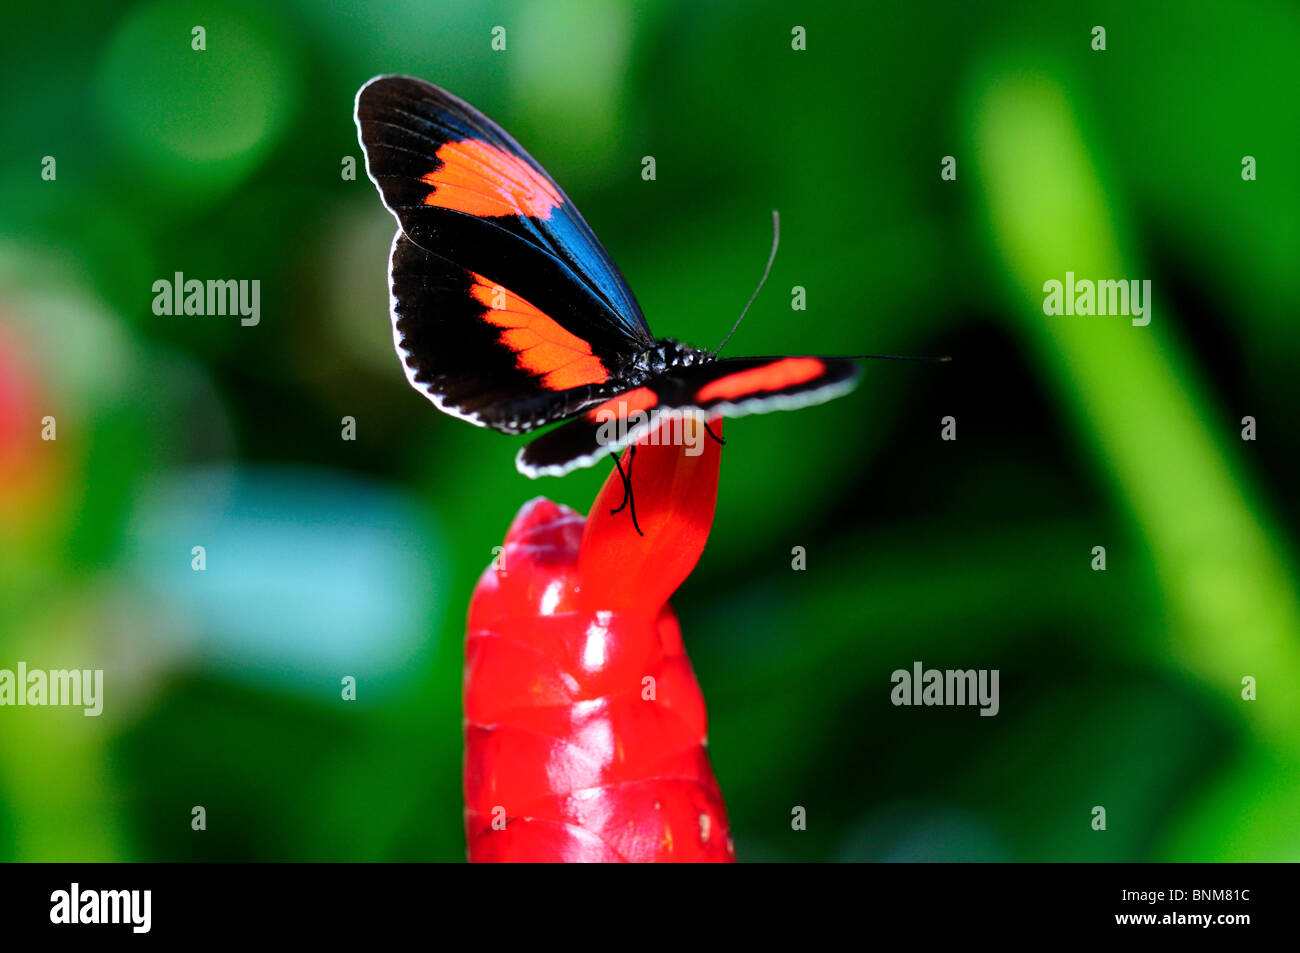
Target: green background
x,y
1120,688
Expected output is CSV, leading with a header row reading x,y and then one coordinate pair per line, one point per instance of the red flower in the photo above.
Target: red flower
x,y
584,725
32,468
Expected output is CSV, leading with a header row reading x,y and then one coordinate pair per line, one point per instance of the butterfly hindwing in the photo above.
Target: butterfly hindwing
x,y
485,354
732,387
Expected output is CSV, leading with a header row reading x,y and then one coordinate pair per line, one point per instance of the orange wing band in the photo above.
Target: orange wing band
x,y
480,179
778,375
639,398
542,347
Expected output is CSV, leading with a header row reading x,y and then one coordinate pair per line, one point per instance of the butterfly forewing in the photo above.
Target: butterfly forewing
x,y
462,188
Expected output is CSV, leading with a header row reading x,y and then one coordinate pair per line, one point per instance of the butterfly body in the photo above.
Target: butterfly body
x,y
509,314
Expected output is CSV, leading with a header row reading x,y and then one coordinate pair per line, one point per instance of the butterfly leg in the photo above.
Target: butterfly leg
x,y
627,481
712,434
628,499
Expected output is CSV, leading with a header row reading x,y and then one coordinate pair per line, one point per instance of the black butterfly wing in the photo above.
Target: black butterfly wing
x,y
506,310
482,353
732,387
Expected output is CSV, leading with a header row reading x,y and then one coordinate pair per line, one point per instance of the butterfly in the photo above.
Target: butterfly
x,y
508,313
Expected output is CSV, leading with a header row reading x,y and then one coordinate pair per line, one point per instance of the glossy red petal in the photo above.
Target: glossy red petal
x,y
675,494
584,724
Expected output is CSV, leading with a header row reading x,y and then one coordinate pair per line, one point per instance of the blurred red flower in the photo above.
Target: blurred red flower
x,y
585,728
32,470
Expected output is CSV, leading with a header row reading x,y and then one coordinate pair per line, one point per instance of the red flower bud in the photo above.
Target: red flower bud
x,y
585,728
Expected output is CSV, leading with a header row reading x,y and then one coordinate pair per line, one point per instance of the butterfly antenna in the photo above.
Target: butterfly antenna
x,y
895,357
776,240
